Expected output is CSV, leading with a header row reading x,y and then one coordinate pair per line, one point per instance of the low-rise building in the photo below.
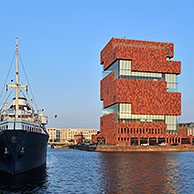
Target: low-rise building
x,y
190,129
57,135
186,128
64,135
52,134
87,133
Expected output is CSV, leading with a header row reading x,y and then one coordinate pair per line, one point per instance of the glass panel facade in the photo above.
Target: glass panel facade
x,y
122,114
171,82
114,67
141,76
124,110
171,122
134,118
110,109
122,70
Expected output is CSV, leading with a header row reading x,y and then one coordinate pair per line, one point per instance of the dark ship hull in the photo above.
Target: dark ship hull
x,y
21,150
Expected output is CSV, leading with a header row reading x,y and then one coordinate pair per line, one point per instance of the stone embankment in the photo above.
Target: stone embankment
x,y
113,148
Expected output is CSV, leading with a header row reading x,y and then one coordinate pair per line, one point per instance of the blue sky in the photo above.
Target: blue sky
x,y
60,42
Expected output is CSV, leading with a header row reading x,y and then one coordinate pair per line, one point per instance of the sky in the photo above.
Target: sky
x,y
60,43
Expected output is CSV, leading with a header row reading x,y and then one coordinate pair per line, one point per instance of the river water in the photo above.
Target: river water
x,y
75,171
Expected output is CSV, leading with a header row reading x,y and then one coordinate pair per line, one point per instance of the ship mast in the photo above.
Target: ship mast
x,y
16,83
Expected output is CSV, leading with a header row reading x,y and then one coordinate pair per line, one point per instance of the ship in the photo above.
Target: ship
x,y
23,135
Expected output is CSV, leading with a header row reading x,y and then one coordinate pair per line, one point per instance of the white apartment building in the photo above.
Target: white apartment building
x,y
62,135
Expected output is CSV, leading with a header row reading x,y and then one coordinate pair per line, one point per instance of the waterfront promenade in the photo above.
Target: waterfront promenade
x,y
112,148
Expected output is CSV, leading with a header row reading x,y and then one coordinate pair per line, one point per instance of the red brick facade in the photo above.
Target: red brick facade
x,y
183,130
140,131
109,129
146,56
147,97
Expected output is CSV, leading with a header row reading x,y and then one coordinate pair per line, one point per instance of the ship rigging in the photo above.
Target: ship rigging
x,y
23,136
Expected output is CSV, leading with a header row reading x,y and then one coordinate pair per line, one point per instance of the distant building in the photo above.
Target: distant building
x,y
64,135
79,138
190,129
87,133
52,134
57,135
186,128
182,130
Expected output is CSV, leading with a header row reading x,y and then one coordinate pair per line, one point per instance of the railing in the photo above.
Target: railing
x,y
22,115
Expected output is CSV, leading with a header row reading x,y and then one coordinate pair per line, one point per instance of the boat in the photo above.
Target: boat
x,y
23,135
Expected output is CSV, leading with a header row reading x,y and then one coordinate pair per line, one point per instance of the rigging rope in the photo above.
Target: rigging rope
x,y
3,98
7,98
7,78
28,82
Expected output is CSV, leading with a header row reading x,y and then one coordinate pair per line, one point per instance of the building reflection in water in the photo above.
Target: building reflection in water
x,y
33,181
139,173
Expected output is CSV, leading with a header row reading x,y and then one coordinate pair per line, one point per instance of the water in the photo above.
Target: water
x,y
75,171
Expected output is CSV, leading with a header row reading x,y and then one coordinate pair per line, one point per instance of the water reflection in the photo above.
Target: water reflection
x,y
75,171
33,181
140,173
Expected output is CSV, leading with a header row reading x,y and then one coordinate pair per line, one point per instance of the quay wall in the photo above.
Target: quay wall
x,y
114,148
